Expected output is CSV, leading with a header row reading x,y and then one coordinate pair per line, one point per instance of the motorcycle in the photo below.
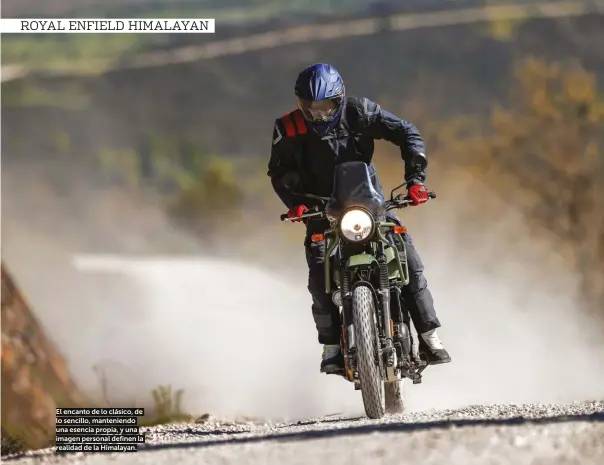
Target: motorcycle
x,y
367,263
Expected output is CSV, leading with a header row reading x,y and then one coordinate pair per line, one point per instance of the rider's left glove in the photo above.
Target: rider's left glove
x,y
296,211
418,194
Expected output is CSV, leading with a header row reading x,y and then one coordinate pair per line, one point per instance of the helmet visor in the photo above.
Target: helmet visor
x,y
320,110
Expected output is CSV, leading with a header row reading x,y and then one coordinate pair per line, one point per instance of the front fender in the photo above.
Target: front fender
x,y
363,259
354,261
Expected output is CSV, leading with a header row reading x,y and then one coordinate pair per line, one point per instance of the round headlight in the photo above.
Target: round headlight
x,y
356,225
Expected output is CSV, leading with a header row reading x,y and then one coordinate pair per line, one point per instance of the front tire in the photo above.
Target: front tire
x,y
367,345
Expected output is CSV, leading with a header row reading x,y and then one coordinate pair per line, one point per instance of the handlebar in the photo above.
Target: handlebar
x,y
284,217
397,202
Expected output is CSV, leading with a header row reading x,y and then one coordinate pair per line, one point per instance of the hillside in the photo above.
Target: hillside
x,y
240,95
35,378
248,9
83,139
95,52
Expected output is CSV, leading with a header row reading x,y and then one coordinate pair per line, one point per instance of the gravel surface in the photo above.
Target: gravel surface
x,y
494,434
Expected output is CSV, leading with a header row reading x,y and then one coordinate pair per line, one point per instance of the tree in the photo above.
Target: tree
x,y
545,152
209,203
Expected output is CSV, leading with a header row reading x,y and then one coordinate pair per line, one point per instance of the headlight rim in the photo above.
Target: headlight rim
x,y
371,231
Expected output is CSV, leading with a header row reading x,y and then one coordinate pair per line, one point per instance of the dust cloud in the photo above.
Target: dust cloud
x,y
511,314
240,340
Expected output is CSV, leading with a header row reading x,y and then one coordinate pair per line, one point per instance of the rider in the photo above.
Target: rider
x,y
302,161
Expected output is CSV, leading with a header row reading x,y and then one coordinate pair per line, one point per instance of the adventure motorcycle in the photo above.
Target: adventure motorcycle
x,y
367,263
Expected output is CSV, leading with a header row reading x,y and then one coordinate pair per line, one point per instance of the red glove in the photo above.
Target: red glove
x,y
419,194
298,210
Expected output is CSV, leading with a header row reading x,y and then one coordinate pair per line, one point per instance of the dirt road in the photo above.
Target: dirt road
x,y
498,434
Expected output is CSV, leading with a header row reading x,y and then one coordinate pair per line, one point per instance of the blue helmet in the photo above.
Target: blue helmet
x,y
321,97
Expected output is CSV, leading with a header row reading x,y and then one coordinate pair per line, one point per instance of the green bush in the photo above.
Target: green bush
x,y
167,407
209,202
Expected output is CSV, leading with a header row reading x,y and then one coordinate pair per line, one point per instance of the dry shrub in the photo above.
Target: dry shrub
x,y
543,154
211,202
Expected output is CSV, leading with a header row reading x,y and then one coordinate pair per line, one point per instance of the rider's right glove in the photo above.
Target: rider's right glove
x,y
296,211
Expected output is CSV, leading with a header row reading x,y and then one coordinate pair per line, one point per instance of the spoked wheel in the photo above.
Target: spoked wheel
x,y
367,345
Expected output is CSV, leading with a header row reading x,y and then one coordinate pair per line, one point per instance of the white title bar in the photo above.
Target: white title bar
x,y
107,26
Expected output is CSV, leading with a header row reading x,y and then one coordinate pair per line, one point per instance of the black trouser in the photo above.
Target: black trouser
x,y
416,295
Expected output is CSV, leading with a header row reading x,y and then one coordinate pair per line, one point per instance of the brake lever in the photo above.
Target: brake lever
x,y
285,218
403,202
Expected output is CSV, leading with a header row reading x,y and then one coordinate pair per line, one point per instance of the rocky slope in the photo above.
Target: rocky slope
x,y
35,378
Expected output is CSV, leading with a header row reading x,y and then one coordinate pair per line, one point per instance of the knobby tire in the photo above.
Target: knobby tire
x,y
367,343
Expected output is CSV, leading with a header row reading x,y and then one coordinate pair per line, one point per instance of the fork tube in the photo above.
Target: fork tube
x,y
384,290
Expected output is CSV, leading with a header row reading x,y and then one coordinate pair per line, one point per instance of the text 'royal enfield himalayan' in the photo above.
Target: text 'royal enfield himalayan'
x,y
367,263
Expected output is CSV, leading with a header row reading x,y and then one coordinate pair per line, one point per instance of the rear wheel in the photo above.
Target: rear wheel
x,y
394,396
367,345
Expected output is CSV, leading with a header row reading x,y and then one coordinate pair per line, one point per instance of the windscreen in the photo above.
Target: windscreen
x,y
353,188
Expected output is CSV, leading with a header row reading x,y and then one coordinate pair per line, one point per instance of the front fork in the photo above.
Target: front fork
x,y
332,238
387,323
395,337
387,336
347,328
384,295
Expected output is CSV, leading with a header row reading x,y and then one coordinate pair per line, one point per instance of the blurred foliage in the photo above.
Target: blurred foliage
x,y
504,30
211,203
62,144
68,96
199,190
167,407
123,8
95,53
159,8
59,51
544,154
116,108
100,51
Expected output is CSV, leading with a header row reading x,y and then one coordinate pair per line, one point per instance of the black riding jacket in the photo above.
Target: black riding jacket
x,y
297,149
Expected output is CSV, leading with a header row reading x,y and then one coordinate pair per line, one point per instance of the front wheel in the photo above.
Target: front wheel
x,y
367,345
